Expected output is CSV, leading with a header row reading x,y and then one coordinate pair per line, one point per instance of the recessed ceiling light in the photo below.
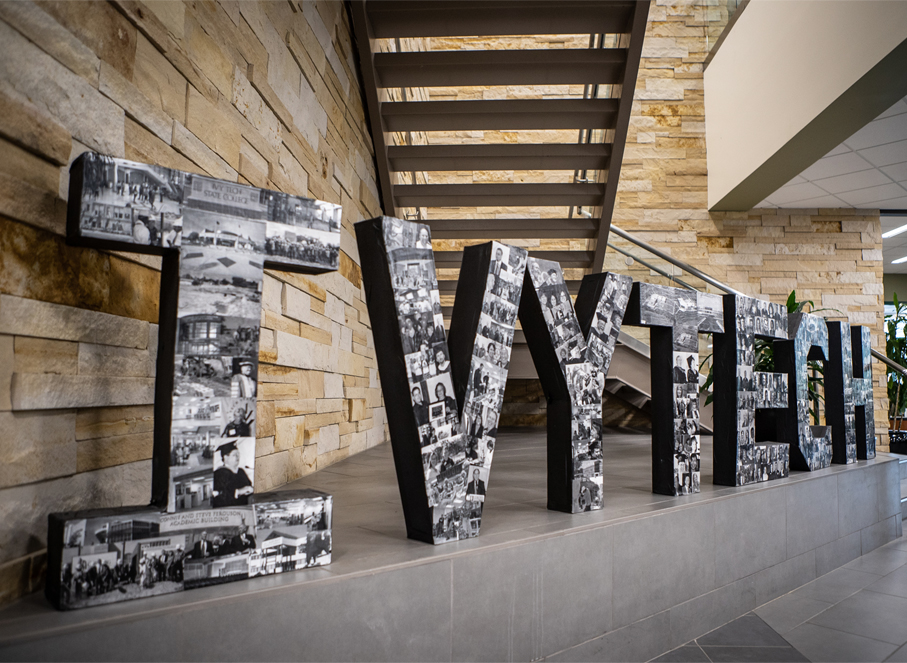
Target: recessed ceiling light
x,y
896,231
899,261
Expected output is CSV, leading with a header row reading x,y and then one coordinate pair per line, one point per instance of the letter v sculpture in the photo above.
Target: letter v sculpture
x,y
204,525
443,398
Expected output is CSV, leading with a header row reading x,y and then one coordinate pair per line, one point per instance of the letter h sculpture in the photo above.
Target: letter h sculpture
x,y
204,525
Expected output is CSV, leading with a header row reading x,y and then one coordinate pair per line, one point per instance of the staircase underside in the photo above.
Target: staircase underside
x,y
501,120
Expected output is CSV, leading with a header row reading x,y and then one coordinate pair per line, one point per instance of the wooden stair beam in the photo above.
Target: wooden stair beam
x,y
497,195
566,259
499,156
482,18
531,67
447,287
510,114
579,228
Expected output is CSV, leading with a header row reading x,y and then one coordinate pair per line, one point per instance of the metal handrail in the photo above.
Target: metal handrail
x,y
711,281
889,362
674,261
655,269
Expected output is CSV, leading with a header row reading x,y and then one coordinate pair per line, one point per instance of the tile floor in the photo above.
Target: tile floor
x,y
855,613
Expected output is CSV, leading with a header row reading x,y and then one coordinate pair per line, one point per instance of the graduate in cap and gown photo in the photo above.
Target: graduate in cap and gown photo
x,y
232,486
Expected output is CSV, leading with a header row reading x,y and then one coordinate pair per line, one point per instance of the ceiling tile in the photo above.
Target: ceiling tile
x,y
885,155
879,132
841,164
853,181
794,192
840,149
873,195
897,172
900,106
825,201
893,204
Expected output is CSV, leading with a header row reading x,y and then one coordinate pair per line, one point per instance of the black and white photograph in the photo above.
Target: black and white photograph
x,y
711,310
477,477
427,362
808,331
217,543
609,316
192,479
688,314
587,485
131,202
219,312
117,558
862,391
849,400
771,390
197,429
292,533
302,231
754,390
234,472
584,362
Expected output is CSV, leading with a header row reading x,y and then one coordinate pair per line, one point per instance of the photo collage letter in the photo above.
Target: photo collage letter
x,y
810,446
862,392
454,451
848,393
217,237
676,317
740,390
572,350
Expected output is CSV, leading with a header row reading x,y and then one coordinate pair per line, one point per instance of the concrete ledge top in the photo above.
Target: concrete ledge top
x,y
370,538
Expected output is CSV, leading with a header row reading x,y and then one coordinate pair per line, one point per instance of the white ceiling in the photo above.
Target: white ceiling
x,y
868,170
894,247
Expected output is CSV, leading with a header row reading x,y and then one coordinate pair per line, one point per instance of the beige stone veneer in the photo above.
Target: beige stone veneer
x,y
260,93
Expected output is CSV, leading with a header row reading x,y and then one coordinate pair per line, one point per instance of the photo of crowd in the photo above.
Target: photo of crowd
x,y
131,202
218,543
303,231
771,390
109,559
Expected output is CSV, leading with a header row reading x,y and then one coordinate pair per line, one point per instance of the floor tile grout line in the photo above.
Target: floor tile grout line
x,y
787,646
708,658
859,635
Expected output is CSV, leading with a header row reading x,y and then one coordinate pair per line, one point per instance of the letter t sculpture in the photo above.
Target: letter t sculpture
x,y
215,237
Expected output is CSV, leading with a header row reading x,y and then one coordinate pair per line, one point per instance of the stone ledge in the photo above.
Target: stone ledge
x,y
30,317
45,391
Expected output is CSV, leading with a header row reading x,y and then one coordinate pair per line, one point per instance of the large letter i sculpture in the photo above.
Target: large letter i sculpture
x,y
205,525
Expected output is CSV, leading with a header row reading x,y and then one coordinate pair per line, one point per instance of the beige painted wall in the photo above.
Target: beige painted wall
x,y
779,67
258,92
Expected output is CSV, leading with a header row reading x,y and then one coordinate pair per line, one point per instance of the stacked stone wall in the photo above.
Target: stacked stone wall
x,y
264,93
832,257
